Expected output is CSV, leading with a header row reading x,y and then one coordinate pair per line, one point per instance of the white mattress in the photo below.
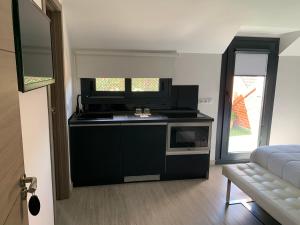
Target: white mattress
x,y
281,160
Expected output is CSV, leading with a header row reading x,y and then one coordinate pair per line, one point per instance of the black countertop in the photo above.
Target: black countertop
x,y
155,118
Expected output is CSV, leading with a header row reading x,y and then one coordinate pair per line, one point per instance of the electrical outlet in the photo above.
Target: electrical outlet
x,y
207,100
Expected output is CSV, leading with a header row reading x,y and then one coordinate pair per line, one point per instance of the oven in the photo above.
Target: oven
x,y
188,138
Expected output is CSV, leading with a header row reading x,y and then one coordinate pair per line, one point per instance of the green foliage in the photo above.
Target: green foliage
x,y
239,131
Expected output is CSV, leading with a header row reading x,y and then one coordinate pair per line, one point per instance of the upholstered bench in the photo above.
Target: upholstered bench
x,y
271,179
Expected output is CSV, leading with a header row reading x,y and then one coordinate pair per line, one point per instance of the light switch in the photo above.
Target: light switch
x,y
207,100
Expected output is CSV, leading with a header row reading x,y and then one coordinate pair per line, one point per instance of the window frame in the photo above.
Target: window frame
x,y
164,84
159,84
270,45
107,94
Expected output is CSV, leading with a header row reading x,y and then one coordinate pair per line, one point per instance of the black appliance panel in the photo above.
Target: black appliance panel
x,y
185,97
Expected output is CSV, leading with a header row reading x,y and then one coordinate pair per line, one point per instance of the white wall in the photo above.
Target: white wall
x,y
68,70
126,64
286,113
203,70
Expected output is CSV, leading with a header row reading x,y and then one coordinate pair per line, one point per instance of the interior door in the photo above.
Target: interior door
x,y
249,80
13,210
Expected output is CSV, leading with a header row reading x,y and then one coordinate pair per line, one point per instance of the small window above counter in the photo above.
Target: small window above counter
x,y
145,85
110,84
124,93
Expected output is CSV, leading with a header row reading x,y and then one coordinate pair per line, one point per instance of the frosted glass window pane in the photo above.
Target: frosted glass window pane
x,y
145,84
110,84
251,63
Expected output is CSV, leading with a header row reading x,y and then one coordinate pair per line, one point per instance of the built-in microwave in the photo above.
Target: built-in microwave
x,y
188,138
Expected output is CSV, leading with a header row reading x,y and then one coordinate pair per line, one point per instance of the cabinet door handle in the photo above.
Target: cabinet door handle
x,y
143,124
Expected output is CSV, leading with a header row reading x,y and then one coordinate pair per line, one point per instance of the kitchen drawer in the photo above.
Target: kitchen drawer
x,y
187,166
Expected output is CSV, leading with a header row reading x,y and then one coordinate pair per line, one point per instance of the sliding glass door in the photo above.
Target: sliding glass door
x,y
247,97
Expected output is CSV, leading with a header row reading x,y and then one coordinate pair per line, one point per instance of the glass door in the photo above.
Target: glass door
x,y
247,101
249,69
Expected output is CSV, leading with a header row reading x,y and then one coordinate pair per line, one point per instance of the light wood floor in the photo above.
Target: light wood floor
x,y
184,202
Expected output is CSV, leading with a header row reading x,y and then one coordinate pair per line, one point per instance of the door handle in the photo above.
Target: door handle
x,y
32,181
53,110
34,204
229,98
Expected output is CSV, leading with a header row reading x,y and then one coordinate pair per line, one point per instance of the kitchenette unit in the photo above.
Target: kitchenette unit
x,y
140,137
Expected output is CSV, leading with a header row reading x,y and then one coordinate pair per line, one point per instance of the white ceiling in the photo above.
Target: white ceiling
x,y
182,25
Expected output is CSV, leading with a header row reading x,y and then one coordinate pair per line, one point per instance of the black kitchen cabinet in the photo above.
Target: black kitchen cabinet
x,y
95,155
187,166
105,154
143,149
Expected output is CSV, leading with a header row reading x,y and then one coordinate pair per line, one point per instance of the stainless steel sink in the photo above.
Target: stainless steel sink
x,y
84,116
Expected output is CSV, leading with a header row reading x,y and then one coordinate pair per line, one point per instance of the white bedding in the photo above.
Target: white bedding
x,y
281,160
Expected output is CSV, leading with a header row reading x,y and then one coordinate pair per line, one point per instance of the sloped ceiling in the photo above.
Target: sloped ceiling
x,y
198,26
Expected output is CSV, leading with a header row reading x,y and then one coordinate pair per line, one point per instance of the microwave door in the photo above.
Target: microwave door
x,y
188,138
